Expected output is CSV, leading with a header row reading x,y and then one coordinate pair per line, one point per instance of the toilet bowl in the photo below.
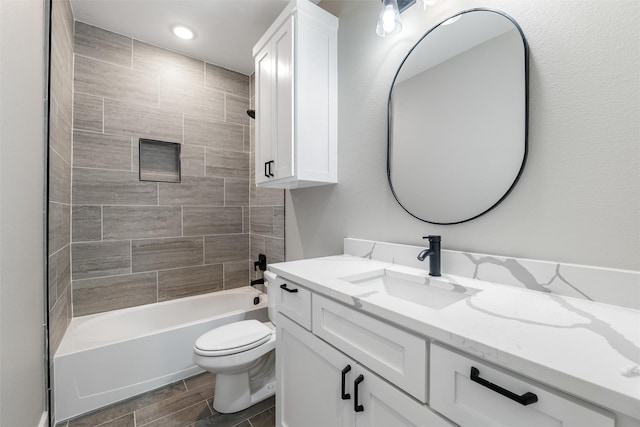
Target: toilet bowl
x,y
242,356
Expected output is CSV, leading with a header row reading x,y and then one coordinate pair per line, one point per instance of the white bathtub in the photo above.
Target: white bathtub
x,y
107,357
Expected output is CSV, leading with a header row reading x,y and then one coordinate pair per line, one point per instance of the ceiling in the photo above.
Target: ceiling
x,y
226,30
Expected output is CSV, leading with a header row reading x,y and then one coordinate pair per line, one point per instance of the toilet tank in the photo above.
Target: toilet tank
x,y
269,283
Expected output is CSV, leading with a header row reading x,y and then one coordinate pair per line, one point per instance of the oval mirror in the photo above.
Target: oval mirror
x,y
457,140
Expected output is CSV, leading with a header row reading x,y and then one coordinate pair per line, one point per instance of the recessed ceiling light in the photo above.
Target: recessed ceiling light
x,y
183,32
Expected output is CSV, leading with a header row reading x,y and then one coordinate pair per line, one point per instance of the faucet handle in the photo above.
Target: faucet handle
x,y
432,238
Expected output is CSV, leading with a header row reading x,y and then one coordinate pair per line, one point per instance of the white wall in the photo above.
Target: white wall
x,y
578,200
22,148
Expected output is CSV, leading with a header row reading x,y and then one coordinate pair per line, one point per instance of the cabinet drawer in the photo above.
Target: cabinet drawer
x,y
392,353
470,403
294,301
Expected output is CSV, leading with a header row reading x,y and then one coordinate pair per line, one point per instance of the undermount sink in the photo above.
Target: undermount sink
x,y
418,288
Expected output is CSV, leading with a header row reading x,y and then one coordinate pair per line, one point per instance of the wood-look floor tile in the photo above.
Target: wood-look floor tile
x,y
124,421
264,419
117,410
173,404
182,417
205,379
230,420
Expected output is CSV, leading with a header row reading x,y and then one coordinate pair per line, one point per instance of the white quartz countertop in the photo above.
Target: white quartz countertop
x,y
588,349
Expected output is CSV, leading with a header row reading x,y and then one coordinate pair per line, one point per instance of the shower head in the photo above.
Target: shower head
x,y
252,113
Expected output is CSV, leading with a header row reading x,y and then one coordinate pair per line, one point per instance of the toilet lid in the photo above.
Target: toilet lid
x,y
233,338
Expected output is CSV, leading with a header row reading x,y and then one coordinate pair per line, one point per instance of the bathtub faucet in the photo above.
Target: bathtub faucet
x,y
257,282
433,252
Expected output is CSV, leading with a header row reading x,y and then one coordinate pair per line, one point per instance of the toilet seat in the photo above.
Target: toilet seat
x,y
233,338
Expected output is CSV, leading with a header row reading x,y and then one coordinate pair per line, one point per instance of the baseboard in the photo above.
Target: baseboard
x,y
44,420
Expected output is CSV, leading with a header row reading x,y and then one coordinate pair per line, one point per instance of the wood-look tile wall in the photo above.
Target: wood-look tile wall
x,y
61,107
139,242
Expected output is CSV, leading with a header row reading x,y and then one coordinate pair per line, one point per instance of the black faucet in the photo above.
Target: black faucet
x,y
433,252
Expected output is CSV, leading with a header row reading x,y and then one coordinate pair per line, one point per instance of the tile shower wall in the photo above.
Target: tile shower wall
x,y
139,242
266,213
61,104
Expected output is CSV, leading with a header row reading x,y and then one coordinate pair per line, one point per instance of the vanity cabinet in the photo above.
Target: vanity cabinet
x,y
319,386
296,99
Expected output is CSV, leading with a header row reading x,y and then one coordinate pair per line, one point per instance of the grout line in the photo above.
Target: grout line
x,y
101,223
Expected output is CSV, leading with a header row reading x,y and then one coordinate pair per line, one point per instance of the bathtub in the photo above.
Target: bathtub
x,y
107,357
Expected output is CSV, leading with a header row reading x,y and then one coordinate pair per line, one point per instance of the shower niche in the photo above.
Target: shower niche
x,y
159,161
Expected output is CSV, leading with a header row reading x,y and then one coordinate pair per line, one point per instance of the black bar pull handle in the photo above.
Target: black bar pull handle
x,y
266,169
356,407
345,396
271,162
284,288
525,399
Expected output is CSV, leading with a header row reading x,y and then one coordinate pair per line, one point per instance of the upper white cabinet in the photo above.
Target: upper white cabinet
x,y
296,99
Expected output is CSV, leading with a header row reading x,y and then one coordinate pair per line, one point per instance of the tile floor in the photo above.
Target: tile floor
x,y
186,403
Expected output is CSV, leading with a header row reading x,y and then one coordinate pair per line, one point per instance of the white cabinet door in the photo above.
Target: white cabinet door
x,y
284,69
265,102
309,380
274,106
382,405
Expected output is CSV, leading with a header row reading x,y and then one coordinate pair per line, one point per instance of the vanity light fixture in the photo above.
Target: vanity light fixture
x,y
183,32
426,3
389,19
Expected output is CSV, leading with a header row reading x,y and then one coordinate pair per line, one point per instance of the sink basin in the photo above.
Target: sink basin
x,y
418,288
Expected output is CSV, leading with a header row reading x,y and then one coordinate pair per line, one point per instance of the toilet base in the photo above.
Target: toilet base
x,y
237,391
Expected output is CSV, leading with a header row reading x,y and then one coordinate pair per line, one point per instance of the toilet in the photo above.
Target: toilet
x,y
242,355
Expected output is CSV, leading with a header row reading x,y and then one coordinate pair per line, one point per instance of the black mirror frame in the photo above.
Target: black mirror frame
x,y
526,120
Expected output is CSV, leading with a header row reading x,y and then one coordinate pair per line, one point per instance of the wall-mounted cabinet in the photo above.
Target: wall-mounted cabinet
x,y
296,99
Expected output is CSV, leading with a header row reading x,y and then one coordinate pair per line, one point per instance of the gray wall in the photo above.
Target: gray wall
x,y
22,153
579,197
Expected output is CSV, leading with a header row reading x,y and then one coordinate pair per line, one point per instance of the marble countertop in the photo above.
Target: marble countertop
x,y
588,349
